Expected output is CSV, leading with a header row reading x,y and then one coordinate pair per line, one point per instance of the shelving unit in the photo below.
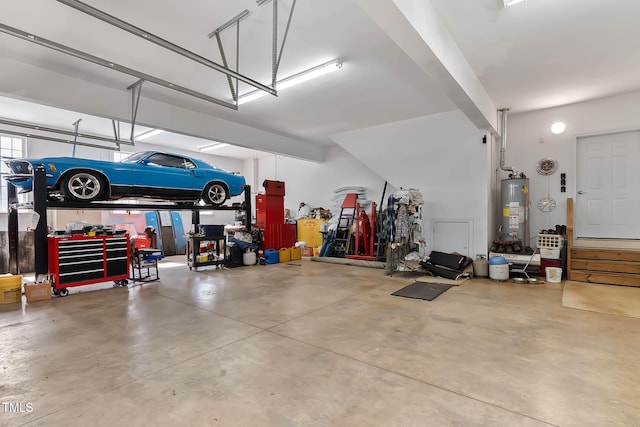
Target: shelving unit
x,y
212,248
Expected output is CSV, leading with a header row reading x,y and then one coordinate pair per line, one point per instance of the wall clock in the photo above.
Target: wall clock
x,y
546,204
547,166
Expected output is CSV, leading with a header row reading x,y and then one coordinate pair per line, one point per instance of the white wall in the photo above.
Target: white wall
x,y
529,139
314,183
442,156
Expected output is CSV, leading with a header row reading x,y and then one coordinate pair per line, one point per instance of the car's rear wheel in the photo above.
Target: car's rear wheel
x,y
83,186
215,194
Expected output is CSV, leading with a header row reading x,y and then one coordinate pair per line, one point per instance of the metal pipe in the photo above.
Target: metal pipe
x,y
286,33
109,64
503,147
116,22
61,131
49,138
229,23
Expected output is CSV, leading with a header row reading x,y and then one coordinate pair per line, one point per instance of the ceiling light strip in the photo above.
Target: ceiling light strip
x,y
295,79
213,146
111,65
116,22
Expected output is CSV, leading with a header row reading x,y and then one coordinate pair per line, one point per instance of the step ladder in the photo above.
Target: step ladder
x,y
344,231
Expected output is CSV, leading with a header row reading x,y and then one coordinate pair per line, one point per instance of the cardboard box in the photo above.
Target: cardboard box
x,y
37,292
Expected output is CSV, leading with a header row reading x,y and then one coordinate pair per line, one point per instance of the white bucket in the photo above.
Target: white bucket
x,y
554,274
499,272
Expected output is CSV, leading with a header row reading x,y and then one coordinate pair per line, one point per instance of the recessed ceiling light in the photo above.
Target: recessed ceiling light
x,y
558,127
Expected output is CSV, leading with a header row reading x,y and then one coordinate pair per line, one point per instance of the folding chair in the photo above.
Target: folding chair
x,y
523,270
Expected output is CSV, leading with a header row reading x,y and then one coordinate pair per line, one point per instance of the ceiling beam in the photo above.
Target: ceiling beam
x,y
416,28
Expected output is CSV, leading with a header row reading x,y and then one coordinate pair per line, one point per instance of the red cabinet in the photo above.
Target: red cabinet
x,y
269,210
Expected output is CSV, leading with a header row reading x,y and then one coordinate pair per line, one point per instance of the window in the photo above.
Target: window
x,y
166,160
10,148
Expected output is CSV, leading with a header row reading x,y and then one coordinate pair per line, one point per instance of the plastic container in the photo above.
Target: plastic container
x,y
285,255
554,274
498,268
249,258
549,253
316,251
307,251
10,289
296,254
481,266
271,256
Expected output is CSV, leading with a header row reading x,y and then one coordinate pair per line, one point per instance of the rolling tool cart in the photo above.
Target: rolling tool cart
x,y
144,264
84,260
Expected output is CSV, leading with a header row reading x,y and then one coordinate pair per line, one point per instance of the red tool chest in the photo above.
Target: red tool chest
x,y
83,260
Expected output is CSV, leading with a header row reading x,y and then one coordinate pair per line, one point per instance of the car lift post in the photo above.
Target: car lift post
x,y
40,235
14,244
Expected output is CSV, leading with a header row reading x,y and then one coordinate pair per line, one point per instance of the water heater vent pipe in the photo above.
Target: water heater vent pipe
x,y
503,148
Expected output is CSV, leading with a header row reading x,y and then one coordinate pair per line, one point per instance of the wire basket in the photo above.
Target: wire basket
x,y
550,241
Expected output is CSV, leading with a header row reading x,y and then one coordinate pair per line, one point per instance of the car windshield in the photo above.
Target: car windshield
x,y
134,157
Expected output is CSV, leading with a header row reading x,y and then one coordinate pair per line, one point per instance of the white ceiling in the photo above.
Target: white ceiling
x,y
536,55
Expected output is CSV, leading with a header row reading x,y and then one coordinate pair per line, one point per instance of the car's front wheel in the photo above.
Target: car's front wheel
x,y
215,194
83,186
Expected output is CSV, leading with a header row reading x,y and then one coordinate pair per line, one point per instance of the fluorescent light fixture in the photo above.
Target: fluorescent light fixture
x,y
261,2
294,80
558,127
508,3
213,146
148,134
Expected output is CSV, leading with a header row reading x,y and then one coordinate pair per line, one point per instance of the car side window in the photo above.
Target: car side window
x,y
166,160
188,164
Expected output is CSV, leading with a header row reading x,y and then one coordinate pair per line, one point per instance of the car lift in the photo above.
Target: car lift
x,y
41,204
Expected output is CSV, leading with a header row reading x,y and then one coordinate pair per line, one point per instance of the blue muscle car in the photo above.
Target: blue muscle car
x,y
148,174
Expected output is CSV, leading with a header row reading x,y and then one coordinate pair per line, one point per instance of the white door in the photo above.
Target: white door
x,y
608,186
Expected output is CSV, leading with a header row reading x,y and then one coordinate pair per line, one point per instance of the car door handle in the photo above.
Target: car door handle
x,y
582,192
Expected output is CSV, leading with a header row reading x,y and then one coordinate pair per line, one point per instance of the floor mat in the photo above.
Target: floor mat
x,y
444,280
422,290
609,299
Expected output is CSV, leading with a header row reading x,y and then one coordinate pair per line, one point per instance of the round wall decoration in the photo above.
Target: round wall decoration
x,y
547,166
546,204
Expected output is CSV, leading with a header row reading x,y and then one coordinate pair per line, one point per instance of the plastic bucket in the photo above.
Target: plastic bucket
x,y
10,289
554,274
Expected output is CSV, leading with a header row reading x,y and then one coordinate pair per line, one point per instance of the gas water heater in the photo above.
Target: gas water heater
x,y
515,210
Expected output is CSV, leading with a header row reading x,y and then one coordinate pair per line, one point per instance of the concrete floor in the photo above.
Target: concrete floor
x,y
306,344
